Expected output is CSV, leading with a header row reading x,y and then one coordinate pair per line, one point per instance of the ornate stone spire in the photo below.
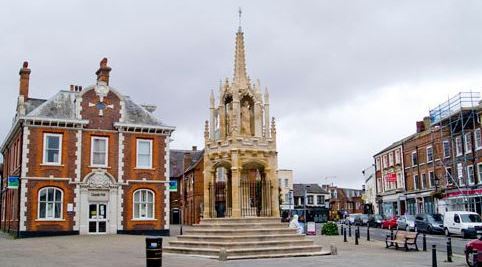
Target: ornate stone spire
x,y
240,76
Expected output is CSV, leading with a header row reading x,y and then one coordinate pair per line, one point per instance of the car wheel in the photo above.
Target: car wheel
x,y
416,229
406,229
464,234
447,233
469,257
429,230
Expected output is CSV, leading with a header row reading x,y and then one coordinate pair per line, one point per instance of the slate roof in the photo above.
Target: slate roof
x,y
62,106
299,189
176,161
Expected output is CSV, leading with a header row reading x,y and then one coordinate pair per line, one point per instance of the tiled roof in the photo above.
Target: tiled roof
x,y
176,160
299,189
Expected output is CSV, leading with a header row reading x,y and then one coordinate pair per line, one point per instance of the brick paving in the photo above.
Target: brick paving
x,y
127,250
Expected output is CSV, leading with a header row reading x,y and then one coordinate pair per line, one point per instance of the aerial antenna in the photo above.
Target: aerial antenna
x,y
240,12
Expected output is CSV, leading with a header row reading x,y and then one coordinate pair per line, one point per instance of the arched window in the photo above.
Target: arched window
x,y
143,204
50,201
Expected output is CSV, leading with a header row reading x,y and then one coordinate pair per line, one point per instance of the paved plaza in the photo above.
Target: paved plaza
x,y
128,250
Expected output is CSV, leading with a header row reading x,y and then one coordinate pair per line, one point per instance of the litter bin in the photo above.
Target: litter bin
x,y
153,251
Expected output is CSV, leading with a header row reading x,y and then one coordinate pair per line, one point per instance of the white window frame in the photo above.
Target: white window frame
x,y
397,156
431,149
458,144
106,139
390,159
446,143
460,174
424,181
468,175
479,172
430,175
413,162
377,162
468,143
449,176
134,203
415,184
478,139
45,162
47,218
139,140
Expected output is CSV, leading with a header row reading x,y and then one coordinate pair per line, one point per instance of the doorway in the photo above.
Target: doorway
x,y
97,218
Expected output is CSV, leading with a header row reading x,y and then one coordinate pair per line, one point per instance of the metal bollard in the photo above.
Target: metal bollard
x,y
424,242
368,233
349,230
356,236
344,236
434,256
358,231
180,230
391,233
449,249
342,230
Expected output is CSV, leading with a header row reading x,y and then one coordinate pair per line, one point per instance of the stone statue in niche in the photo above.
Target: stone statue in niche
x,y
246,119
229,118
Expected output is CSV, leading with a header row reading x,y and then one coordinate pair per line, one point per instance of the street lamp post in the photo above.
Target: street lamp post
x,y
304,208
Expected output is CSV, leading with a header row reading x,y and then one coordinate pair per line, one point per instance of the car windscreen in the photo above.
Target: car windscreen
x,y
410,217
435,218
470,218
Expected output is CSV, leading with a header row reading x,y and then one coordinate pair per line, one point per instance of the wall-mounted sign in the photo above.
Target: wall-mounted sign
x,y
70,207
172,186
391,177
13,182
98,196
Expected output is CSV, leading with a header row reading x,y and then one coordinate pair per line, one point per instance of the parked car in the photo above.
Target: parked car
x,y
406,222
464,223
362,219
470,247
375,220
429,223
389,223
350,220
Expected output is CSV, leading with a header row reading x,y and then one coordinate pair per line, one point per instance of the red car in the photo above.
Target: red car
x,y
470,247
389,223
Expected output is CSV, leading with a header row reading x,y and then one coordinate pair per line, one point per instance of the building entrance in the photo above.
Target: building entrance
x,y
97,218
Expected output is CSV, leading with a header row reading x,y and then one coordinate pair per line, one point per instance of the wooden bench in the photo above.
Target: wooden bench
x,y
402,239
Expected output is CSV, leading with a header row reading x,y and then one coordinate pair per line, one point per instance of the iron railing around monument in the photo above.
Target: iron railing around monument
x,y
255,198
219,200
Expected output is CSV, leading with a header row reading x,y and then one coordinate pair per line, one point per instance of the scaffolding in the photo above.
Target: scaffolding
x,y
455,121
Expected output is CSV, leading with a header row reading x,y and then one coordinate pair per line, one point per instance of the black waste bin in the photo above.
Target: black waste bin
x,y
153,251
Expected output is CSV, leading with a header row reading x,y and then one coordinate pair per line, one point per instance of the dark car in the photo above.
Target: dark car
x,y
429,223
375,220
361,220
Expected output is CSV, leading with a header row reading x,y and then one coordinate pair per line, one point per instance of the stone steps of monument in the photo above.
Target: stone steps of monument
x,y
241,225
282,255
247,253
232,245
245,238
240,220
240,231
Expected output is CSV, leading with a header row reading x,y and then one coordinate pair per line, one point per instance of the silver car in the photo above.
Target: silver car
x,y
406,222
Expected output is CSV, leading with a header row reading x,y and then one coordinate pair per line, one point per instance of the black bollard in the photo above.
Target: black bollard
x,y
342,230
356,236
434,256
424,242
449,249
180,230
391,233
358,231
349,230
344,235
368,233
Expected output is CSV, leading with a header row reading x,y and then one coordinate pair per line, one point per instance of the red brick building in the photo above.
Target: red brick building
x,y
87,161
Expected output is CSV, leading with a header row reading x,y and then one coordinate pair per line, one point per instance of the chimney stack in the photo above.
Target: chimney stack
x,y
420,126
24,80
103,72
194,148
187,160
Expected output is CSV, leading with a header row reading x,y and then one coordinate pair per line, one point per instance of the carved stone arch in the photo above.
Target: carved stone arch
x,y
99,179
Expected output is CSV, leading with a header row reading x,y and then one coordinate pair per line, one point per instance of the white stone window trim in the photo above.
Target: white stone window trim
x,y
106,139
140,140
468,143
443,147
458,140
478,140
44,160
468,175
61,218
479,166
431,149
414,153
134,203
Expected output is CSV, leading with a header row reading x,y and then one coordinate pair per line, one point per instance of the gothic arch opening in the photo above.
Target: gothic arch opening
x,y
255,190
222,190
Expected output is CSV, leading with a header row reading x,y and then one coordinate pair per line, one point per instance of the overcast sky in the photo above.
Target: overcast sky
x,y
346,78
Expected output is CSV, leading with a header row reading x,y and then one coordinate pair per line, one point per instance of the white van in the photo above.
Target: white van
x,y
463,223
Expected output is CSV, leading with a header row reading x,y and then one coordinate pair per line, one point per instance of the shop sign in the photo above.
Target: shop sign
x,y
12,182
391,177
98,196
465,192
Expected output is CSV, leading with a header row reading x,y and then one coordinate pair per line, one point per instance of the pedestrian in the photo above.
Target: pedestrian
x,y
295,224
